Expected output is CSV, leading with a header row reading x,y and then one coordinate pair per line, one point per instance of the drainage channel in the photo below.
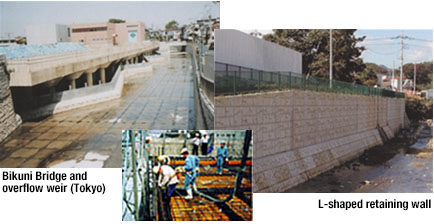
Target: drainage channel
x,y
401,165
88,136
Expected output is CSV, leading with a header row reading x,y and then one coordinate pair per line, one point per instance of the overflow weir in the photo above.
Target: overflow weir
x,y
76,117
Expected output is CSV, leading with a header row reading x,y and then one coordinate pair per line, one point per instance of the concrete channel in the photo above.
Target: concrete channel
x,y
388,168
90,136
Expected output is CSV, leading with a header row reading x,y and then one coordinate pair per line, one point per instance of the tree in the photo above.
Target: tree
x,y
172,24
368,76
314,45
378,69
113,20
418,109
424,73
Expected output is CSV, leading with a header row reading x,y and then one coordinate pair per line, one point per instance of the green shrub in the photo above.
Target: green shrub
x,y
418,109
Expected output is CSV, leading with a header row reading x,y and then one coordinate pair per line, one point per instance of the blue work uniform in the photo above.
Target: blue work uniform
x,y
191,163
222,153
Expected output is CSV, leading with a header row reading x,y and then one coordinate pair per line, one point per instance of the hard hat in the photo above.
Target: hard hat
x,y
156,169
184,150
222,142
164,159
161,158
148,139
197,134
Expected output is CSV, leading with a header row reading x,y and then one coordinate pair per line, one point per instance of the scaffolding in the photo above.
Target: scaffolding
x,y
219,197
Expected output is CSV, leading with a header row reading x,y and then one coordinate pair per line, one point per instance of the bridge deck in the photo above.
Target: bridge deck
x,y
90,136
31,71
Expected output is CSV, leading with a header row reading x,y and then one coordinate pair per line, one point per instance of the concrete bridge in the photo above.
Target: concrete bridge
x,y
81,127
50,69
37,81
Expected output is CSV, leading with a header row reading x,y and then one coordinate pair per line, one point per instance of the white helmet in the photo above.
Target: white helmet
x,y
156,169
164,159
148,139
184,150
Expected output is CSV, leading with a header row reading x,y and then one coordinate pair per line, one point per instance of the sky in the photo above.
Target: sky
x,y
15,16
387,50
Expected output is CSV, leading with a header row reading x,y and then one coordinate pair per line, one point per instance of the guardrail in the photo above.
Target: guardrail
x,y
239,82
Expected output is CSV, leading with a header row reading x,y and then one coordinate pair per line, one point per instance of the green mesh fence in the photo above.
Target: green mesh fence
x,y
238,82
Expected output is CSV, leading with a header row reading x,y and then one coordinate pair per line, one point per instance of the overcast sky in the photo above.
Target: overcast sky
x,y
15,16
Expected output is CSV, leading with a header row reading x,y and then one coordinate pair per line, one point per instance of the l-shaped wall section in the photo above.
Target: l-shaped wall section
x,y
300,134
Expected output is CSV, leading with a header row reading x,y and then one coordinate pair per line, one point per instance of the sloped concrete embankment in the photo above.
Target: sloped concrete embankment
x,y
9,121
300,134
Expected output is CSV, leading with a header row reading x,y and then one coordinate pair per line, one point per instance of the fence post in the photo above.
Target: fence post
x,y
227,76
278,73
290,78
234,82
259,80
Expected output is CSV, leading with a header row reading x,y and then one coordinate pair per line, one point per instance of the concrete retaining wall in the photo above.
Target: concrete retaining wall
x,y
8,118
300,134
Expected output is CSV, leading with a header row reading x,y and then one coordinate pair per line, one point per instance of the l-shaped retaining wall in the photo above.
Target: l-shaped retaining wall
x,y
300,134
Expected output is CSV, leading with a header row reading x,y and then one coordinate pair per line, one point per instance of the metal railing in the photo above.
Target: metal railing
x,y
239,82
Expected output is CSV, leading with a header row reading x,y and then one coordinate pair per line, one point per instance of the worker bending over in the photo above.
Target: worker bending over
x,y
222,156
167,181
191,167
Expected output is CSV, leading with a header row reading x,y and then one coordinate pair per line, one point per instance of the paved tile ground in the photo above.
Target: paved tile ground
x,y
91,136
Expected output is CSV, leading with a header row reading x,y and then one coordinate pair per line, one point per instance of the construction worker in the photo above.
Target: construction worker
x,y
167,181
148,141
164,160
204,146
196,143
222,156
191,168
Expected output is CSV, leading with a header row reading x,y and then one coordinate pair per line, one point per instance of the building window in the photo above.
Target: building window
x,y
128,26
92,29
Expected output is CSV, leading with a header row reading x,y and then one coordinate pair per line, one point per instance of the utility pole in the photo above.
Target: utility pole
x,y
402,59
393,73
331,59
414,82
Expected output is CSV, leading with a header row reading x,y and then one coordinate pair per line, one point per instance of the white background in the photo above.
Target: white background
x,y
267,208
330,14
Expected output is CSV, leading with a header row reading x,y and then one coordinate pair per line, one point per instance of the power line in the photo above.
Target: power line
x,y
401,38
382,53
375,39
417,39
415,45
381,44
397,37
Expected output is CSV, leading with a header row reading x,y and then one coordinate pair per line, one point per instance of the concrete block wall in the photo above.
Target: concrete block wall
x,y
300,134
8,120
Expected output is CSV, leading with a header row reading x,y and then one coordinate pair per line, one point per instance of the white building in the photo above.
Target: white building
x,y
238,49
48,34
